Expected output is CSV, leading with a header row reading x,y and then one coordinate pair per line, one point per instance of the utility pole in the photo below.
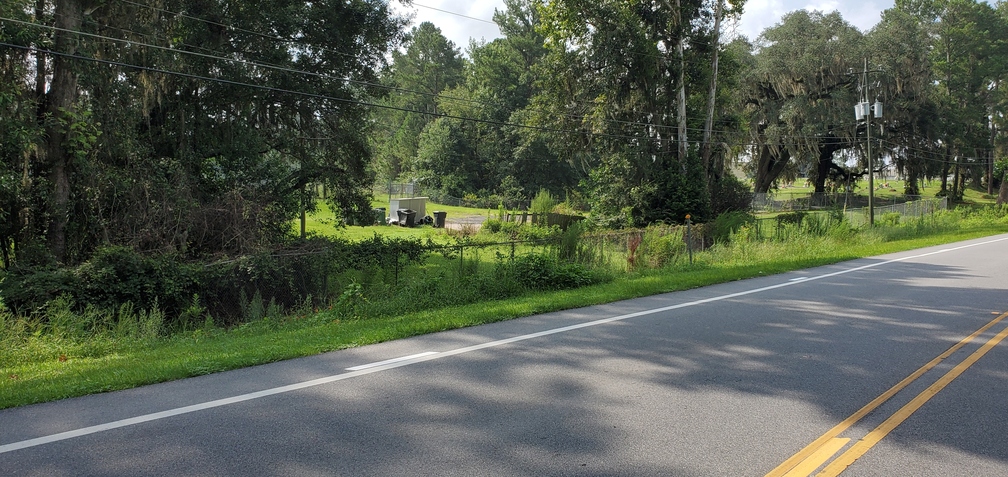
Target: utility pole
x,y
871,167
864,110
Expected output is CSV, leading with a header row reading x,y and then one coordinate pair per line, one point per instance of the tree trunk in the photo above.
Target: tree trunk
x,y
946,167
912,184
769,167
956,179
40,63
682,86
712,93
822,173
60,101
1002,197
990,151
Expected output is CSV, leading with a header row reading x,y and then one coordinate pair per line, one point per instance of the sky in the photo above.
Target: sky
x,y
473,19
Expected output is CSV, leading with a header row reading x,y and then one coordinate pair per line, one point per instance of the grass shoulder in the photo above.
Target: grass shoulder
x,y
45,368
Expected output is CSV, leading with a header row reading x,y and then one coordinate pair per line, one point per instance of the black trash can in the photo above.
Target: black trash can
x,y
406,217
439,219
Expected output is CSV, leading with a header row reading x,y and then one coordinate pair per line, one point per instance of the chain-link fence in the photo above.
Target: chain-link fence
x,y
797,201
785,202
913,208
401,190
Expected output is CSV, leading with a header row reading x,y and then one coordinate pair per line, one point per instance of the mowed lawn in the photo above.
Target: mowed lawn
x,y
882,193
324,222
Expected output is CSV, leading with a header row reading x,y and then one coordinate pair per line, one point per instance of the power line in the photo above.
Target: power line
x,y
455,13
436,95
263,65
224,25
235,60
363,103
313,95
319,75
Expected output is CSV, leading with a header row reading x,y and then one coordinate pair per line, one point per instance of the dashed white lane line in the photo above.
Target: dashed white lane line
x,y
431,355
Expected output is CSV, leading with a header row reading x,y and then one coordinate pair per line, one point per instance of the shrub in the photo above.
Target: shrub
x,y
543,203
27,291
351,301
536,232
664,246
493,226
544,272
889,219
729,223
730,194
118,275
572,246
791,218
112,277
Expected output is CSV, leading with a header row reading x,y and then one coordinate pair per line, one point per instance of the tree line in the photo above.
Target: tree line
x,y
203,127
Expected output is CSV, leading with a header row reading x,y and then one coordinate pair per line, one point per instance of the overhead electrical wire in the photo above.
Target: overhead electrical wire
x,y
922,154
348,80
223,25
313,95
319,75
455,13
286,40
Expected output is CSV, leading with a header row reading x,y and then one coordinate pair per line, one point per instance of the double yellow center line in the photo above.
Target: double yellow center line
x,y
826,446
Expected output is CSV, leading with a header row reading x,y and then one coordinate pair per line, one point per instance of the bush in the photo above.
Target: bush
x,y
118,275
730,194
544,272
543,203
26,291
264,284
284,279
889,219
492,226
729,223
667,249
537,232
660,245
572,246
112,277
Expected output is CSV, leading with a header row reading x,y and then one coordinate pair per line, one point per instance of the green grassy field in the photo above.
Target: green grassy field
x,y
971,195
323,222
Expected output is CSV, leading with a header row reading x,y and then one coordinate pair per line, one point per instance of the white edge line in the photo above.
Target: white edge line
x,y
393,360
431,355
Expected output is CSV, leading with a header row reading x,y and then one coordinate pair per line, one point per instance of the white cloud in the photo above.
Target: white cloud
x,y
758,15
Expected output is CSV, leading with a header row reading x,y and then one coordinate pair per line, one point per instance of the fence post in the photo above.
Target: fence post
x,y
689,238
395,265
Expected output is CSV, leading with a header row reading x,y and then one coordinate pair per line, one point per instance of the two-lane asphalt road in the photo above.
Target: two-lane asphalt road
x,y
891,365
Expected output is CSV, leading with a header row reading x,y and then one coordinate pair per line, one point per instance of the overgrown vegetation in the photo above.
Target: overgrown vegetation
x,y
63,345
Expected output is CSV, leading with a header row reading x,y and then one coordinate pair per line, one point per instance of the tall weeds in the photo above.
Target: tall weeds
x,y
431,280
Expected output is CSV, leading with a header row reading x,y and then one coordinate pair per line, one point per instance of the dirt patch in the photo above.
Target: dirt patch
x,y
464,221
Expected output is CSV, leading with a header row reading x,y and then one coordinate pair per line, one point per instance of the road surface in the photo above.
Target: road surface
x,y
885,366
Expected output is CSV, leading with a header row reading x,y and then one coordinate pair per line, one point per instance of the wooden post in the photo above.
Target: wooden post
x,y
689,238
